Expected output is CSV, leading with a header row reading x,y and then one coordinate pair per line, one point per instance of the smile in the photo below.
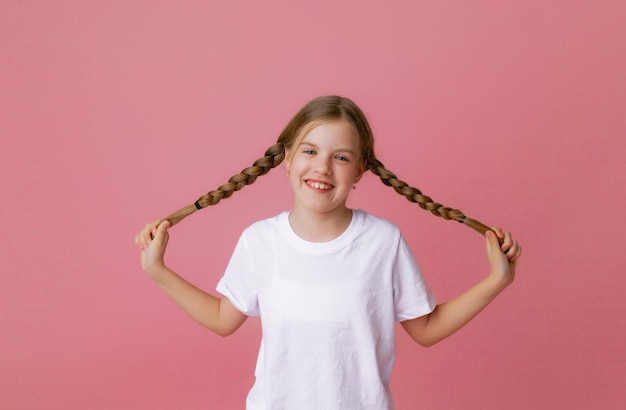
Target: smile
x,y
319,185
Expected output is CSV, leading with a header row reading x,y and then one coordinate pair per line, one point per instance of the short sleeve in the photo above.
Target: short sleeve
x,y
238,283
412,296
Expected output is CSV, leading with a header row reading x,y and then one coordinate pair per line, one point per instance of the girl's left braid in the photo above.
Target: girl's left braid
x,y
415,195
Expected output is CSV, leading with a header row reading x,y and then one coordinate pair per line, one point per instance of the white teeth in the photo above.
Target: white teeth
x,y
319,185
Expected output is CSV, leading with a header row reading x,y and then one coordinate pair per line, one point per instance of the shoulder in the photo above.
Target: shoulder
x,y
378,226
265,226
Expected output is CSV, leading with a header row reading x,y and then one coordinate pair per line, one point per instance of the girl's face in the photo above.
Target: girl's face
x,y
324,166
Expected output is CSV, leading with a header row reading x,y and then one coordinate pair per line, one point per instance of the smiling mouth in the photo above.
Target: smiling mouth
x,y
319,185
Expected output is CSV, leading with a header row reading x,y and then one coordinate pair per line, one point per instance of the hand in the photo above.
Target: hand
x,y
152,240
502,258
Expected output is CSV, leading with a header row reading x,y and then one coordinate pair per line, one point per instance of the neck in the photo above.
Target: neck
x,y
320,227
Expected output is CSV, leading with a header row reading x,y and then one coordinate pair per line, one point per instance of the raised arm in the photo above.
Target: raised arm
x,y
452,315
216,314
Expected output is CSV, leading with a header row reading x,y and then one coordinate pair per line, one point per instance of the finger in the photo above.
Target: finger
x,y
517,254
505,238
146,235
492,240
512,250
160,234
507,242
146,238
153,227
139,240
161,230
498,231
499,234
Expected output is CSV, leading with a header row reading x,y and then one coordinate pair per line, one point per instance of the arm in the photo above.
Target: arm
x,y
452,315
216,314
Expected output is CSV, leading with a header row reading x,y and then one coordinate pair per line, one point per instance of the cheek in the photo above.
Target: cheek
x,y
294,172
297,164
289,164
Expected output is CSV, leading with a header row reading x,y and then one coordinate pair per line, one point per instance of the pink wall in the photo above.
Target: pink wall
x,y
116,113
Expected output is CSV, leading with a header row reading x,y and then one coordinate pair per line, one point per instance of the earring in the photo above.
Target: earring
x,y
354,186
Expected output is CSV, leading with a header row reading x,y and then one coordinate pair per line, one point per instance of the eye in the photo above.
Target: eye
x,y
308,151
342,158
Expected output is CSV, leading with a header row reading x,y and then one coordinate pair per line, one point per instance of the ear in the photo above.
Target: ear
x,y
360,171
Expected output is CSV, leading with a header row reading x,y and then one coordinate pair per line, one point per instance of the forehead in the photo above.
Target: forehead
x,y
336,131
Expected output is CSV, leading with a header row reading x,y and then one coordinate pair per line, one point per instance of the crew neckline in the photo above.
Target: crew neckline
x,y
339,242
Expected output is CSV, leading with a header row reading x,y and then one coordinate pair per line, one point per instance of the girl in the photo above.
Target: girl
x,y
327,281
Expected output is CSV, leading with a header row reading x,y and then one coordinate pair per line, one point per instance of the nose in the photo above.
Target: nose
x,y
322,165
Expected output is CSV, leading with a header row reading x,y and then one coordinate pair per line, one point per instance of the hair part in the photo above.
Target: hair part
x,y
317,111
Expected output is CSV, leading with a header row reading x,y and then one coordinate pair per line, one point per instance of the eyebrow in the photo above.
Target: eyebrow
x,y
349,151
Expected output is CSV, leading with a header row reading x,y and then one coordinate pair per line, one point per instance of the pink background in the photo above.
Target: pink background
x,y
114,113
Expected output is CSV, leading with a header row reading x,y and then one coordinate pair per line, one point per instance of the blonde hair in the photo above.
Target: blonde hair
x,y
322,109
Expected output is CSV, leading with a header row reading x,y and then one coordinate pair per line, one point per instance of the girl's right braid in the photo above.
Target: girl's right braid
x,y
273,156
415,195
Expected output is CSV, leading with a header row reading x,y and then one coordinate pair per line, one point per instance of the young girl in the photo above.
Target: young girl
x,y
327,281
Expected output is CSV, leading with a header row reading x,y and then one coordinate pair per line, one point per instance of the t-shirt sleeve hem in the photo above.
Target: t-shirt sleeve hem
x,y
223,288
418,311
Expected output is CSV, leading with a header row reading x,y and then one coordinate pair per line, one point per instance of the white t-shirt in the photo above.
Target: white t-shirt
x,y
327,311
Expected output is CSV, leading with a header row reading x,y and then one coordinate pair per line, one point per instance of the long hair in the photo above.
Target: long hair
x,y
316,111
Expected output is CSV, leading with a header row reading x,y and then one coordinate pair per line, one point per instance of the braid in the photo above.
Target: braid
x,y
415,195
273,156
316,111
